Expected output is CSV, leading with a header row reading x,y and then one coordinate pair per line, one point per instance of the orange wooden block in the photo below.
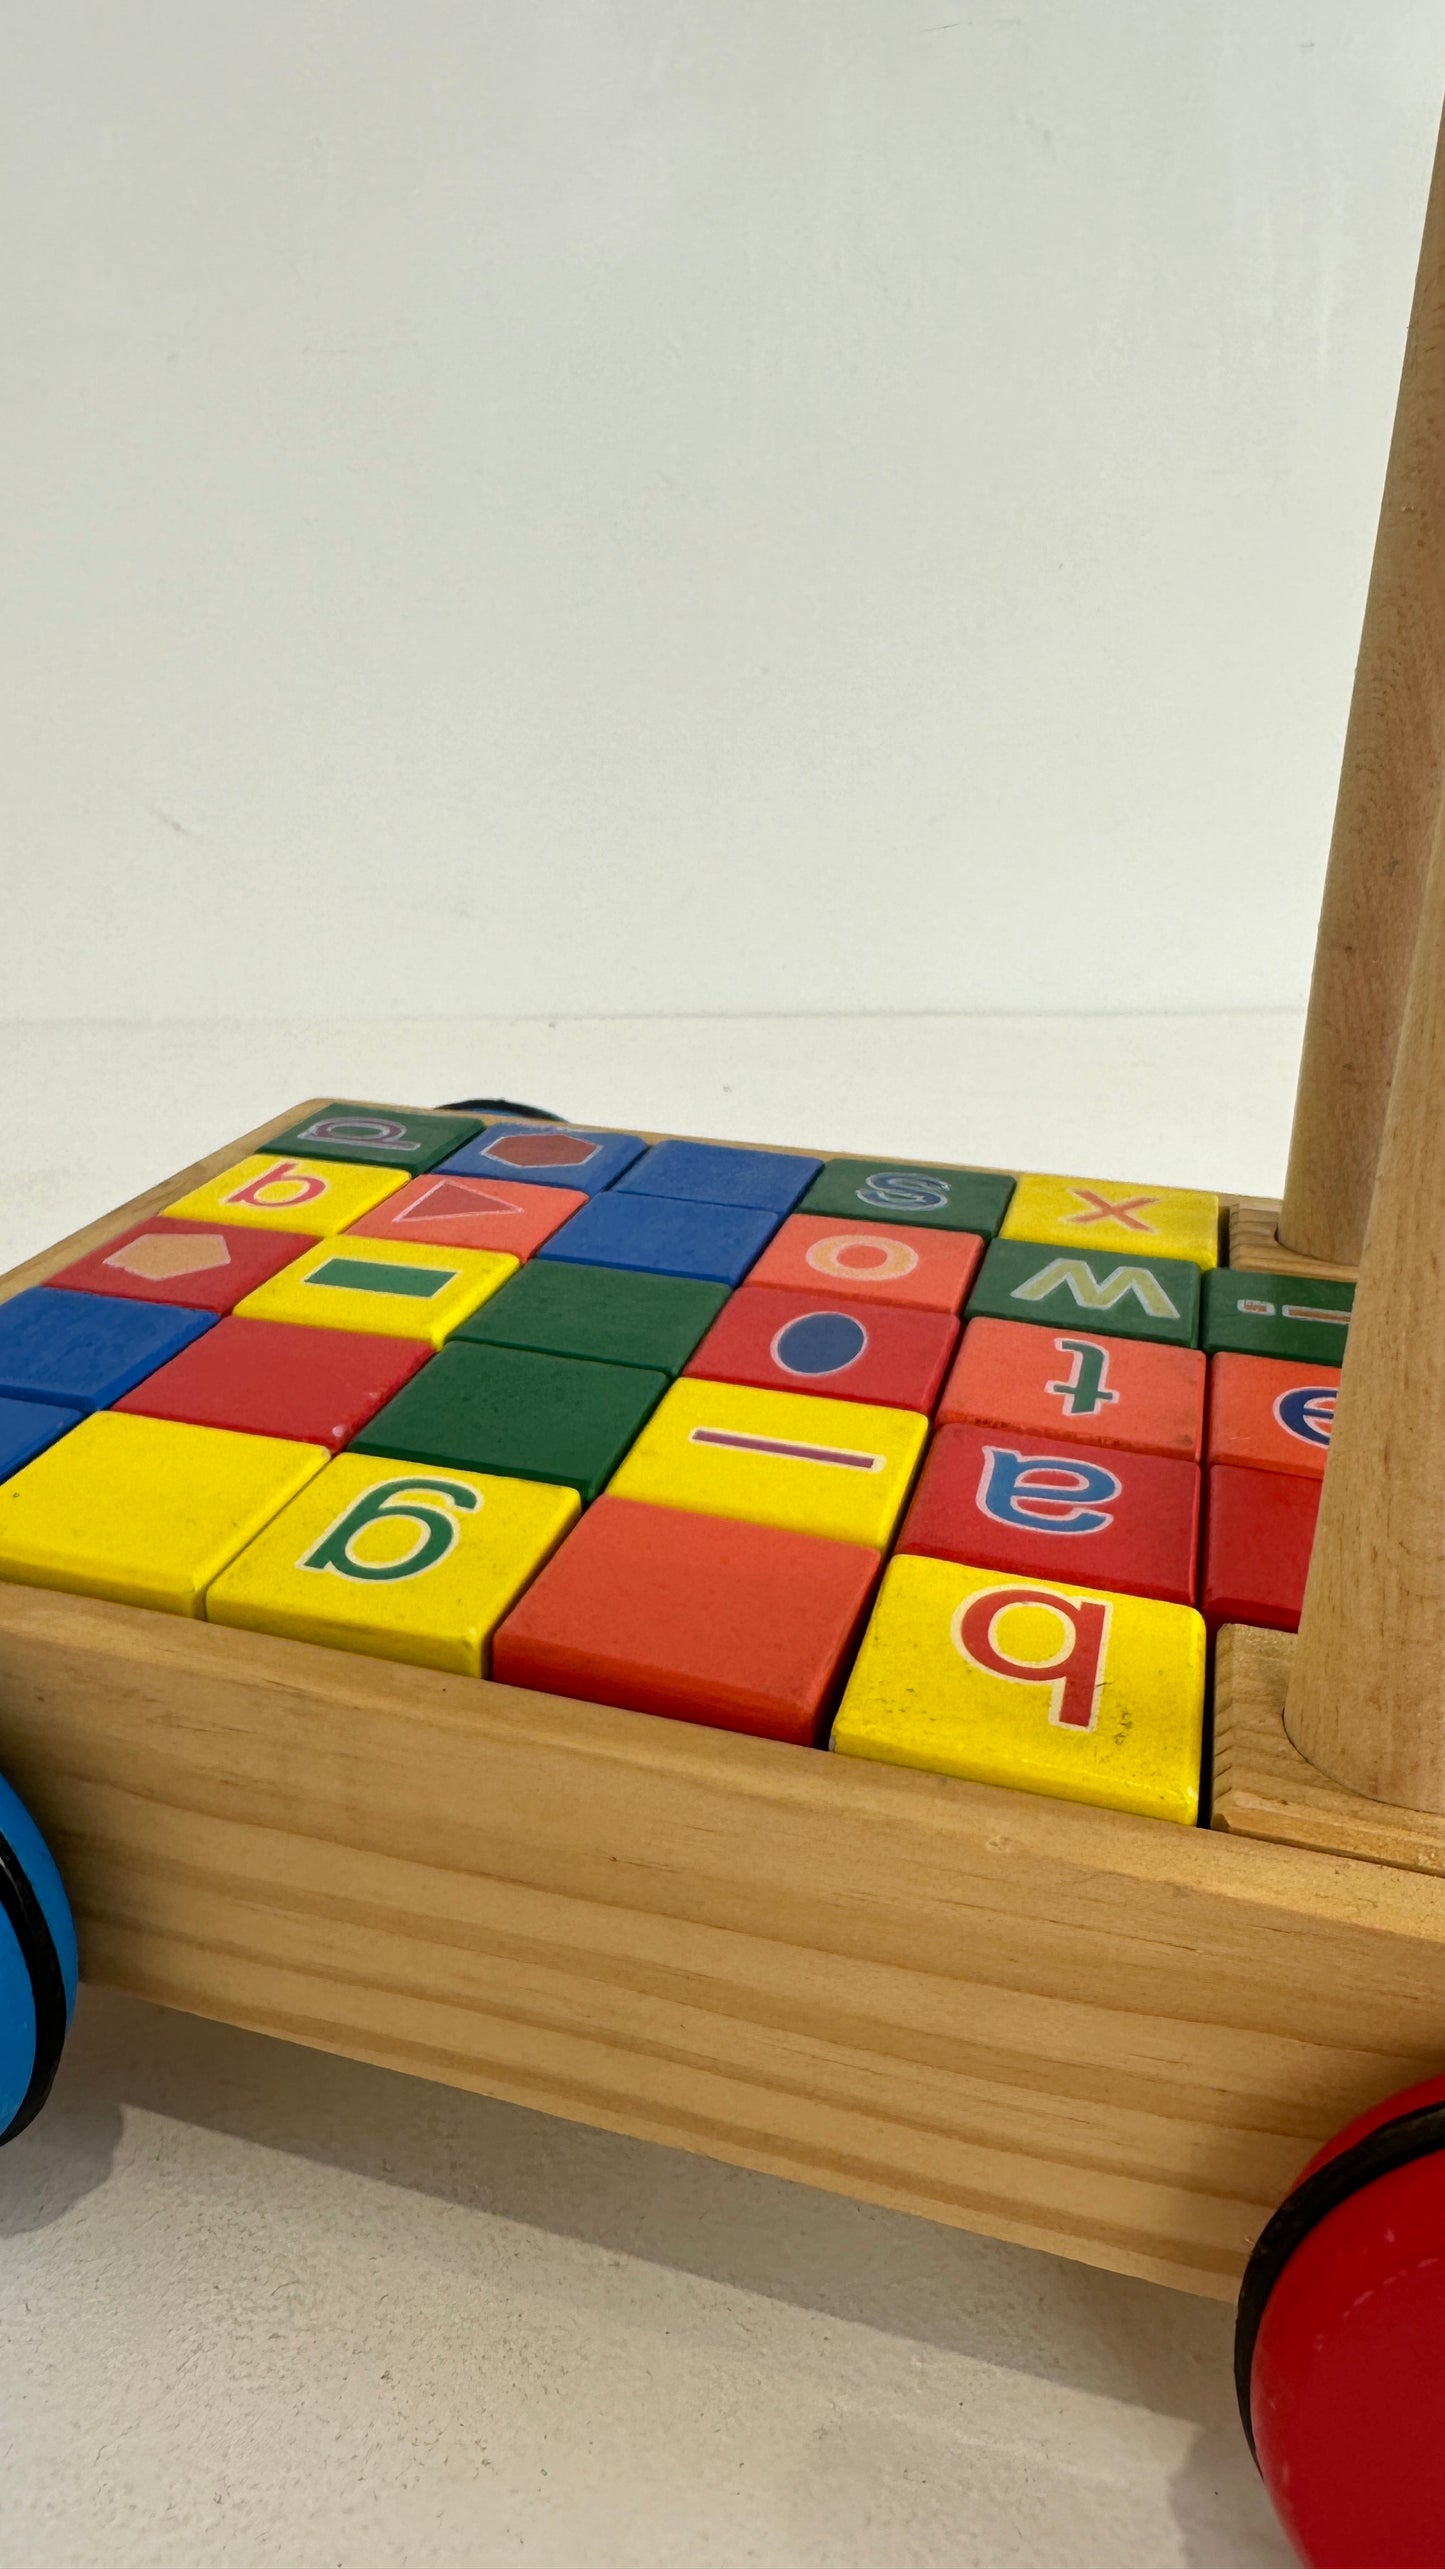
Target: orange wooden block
x,y
1129,1393
1269,1414
874,1261
471,1213
706,1618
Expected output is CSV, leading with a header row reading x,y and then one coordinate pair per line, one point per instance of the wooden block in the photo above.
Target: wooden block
x,y
282,1194
526,1416
799,1342
200,1266
873,1262
713,1173
1258,1314
1122,1297
270,1378
1270,1416
612,1314
386,1288
471,1213
144,1509
1264,1788
547,1155
1128,1522
704,1618
828,1467
716,1242
1052,1689
1123,1392
1093,1213
382,1556
380,1136
27,1427
83,1350
925,1199
1259,1531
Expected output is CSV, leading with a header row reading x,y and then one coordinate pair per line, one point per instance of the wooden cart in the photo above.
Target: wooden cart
x,y
1093,2033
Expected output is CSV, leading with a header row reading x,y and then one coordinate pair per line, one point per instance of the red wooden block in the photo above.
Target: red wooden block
x,y
471,1213
1259,1531
1001,1501
871,1261
706,1618
203,1266
1276,1416
1126,1393
272,1378
803,1342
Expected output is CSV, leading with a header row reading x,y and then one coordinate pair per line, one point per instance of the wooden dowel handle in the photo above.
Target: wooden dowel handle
x,y
1391,782
1367,1693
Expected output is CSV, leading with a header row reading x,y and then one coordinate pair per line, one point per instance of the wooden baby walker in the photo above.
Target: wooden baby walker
x,y
1054,2022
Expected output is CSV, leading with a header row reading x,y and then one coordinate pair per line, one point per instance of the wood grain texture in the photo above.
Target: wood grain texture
x,y
1255,1244
1390,791
1095,2034
1264,1788
1366,1700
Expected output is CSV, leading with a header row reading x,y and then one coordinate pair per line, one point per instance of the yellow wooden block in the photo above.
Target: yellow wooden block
x,y
319,1196
396,1559
1105,1213
145,1509
834,1467
392,1288
1062,1690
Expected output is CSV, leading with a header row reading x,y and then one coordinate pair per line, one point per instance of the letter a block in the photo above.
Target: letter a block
x,y
315,1196
1047,1687
1008,1502
397,1559
1128,1297
1099,1213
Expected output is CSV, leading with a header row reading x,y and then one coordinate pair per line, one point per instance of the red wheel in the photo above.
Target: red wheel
x,y
1340,2344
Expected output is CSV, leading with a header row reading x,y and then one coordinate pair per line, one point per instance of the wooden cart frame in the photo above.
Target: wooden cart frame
x,y
1090,2032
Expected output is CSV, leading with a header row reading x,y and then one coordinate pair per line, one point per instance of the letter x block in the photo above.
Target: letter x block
x,y
1098,1213
1002,1501
1054,1688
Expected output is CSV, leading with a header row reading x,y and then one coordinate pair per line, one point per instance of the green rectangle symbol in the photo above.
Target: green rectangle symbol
x,y
355,1275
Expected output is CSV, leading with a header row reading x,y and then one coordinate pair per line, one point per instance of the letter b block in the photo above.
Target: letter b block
x,y
1049,1688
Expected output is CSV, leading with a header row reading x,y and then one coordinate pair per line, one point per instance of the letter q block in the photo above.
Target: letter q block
x,y
1027,1682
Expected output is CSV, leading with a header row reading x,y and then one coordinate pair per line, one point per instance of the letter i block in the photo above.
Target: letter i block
x,y
1128,1297
407,1563
1273,1417
315,1196
1095,1213
1302,1319
1075,1384
1047,1687
1128,1522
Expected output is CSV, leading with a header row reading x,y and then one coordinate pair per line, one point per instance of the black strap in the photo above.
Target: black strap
x,y
496,1106
1396,2144
47,1983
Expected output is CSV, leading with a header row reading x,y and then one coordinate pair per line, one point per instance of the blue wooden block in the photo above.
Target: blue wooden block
x,y
712,1173
718,1242
82,1350
27,1427
547,1155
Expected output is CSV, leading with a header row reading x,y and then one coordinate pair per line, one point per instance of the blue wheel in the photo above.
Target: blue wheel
x,y
38,1967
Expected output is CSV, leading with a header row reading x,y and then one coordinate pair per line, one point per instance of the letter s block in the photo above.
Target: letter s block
x,y
1048,1687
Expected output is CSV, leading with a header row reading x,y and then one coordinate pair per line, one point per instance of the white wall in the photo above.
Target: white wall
x,y
560,505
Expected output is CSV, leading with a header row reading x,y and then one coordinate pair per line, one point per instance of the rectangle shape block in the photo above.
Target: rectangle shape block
x,y
385,1288
835,1468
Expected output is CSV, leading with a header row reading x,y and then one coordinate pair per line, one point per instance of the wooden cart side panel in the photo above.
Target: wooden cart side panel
x,y
1091,2033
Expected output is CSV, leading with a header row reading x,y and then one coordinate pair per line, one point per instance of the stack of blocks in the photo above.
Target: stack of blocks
x,y
929,1465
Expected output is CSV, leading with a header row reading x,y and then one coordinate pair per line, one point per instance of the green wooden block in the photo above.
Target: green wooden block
x,y
1306,1318
1091,1288
509,1410
928,1199
379,1135
612,1314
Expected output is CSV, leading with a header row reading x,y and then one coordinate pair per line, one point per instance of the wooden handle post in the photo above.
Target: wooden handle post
x,y
1366,1699
1391,782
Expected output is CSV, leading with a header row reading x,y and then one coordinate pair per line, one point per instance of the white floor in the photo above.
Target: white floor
x,y
264,2307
